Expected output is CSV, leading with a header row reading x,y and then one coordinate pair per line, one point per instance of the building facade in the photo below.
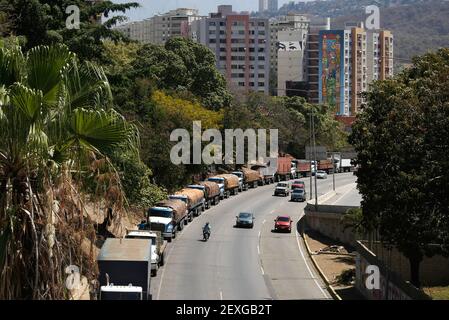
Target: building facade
x,y
312,57
288,36
349,60
159,28
241,45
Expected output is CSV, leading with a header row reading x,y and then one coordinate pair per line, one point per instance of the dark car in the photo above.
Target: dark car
x,y
283,223
298,195
245,219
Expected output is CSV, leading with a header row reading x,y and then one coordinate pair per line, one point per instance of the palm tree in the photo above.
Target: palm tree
x,y
56,119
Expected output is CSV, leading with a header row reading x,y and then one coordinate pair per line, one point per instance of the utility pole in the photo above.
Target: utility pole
x,y
333,171
310,155
316,162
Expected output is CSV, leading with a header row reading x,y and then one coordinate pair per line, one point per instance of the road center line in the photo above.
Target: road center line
x,y
261,269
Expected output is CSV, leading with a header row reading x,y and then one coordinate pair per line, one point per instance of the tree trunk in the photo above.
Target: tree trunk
x,y
415,263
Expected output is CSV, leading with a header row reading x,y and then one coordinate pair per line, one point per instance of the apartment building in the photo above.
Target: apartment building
x,y
312,57
271,6
288,36
159,28
241,44
349,60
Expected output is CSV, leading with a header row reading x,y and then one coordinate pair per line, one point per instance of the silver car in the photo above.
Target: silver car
x,y
320,174
298,195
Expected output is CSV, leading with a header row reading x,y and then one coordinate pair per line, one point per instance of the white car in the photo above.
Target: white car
x,y
320,174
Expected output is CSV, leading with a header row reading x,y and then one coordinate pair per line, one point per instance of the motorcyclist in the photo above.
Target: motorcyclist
x,y
207,228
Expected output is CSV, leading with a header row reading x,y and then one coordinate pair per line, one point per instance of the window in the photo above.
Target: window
x,y
261,84
261,24
212,24
262,58
212,40
241,84
261,75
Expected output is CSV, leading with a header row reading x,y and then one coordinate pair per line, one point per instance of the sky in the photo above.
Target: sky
x,y
152,7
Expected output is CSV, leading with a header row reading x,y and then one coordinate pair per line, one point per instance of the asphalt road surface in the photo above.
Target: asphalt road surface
x,y
243,264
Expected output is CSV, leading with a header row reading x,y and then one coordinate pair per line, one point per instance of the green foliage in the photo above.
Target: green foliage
x,y
42,22
183,65
402,140
136,182
290,115
56,124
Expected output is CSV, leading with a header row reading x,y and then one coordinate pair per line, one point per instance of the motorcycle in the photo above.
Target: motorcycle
x,y
206,236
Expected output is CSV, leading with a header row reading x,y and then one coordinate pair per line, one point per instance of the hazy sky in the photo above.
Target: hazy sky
x,y
152,7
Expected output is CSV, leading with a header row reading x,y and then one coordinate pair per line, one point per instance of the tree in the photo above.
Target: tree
x,y
56,122
402,140
43,22
183,65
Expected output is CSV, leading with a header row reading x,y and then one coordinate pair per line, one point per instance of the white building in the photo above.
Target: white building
x,y
158,29
288,47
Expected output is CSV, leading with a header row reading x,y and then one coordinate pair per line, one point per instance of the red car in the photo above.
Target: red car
x,y
298,184
283,223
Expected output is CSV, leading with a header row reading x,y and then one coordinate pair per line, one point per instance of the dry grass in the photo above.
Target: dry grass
x,y
438,293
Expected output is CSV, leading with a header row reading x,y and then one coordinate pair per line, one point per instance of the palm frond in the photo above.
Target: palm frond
x,y
46,66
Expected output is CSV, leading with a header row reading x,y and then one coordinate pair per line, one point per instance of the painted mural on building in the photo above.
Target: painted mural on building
x,y
331,66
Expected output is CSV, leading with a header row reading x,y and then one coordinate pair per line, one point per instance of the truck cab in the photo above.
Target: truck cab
x,y
221,184
241,176
161,219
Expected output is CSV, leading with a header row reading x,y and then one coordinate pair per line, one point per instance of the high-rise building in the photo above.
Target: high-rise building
x,y
159,28
273,6
263,6
349,60
288,47
312,57
241,44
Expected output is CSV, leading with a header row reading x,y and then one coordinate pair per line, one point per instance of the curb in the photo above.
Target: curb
x,y
332,291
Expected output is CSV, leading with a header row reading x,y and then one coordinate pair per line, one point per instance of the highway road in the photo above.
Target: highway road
x,y
243,264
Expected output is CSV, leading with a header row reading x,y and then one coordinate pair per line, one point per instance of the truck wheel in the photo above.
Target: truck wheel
x,y
236,192
154,272
169,239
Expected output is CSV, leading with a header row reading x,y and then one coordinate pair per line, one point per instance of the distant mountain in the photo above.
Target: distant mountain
x,y
418,25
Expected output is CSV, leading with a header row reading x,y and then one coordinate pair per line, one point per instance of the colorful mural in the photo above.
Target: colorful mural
x,y
331,69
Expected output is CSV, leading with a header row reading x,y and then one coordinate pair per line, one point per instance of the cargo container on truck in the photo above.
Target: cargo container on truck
x,y
168,217
211,192
194,200
284,171
303,168
267,173
250,178
158,245
125,269
230,183
326,165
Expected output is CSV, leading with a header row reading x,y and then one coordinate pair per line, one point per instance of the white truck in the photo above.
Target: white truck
x,y
158,246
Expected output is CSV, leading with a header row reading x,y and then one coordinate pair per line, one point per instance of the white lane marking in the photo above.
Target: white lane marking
x,y
308,268
263,222
261,269
258,250
221,295
259,234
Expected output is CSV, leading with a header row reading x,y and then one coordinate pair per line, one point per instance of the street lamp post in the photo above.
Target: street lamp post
x,y
316,163
310,156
